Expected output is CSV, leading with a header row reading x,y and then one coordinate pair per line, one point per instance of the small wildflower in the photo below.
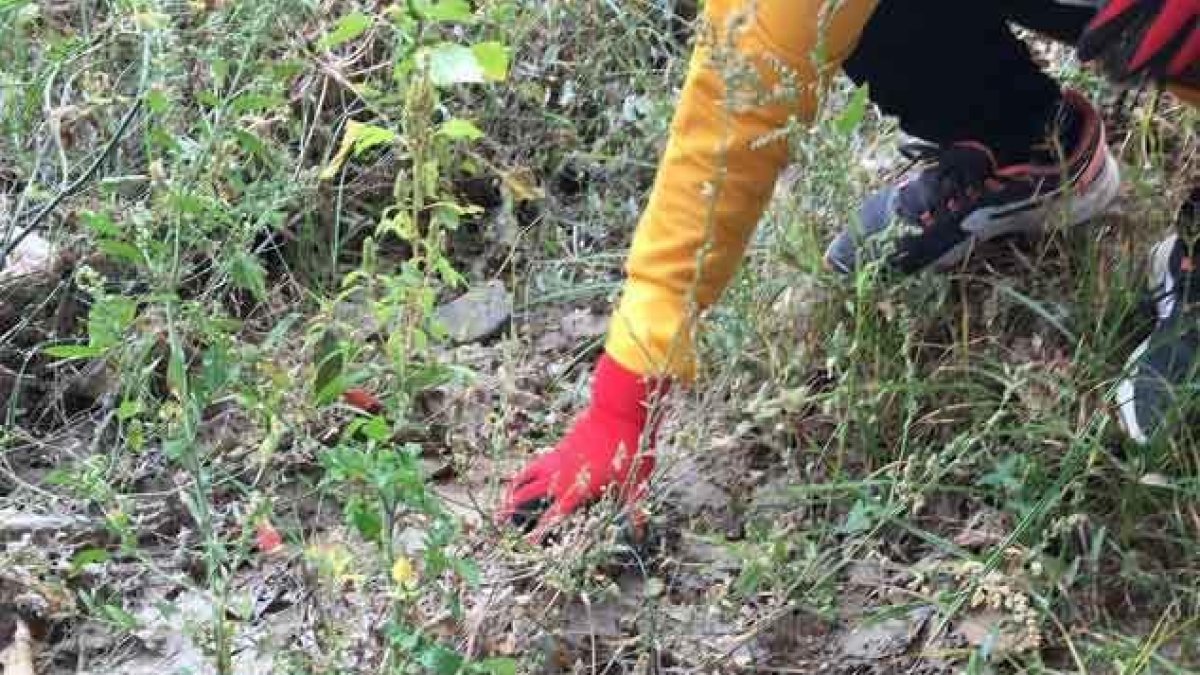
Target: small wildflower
x,y
404,574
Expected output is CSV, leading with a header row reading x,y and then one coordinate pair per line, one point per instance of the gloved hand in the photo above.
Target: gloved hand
x,y
1155,37
603,451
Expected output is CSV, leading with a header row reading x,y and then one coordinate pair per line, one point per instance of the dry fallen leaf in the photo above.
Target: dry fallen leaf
x,y
267,537
363,400
523,185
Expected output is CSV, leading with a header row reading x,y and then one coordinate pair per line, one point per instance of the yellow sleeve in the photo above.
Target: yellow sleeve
x,y
719,170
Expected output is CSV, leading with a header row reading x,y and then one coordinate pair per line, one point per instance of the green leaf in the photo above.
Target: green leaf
x,y
117,614
252,102
493,59
376,429
247,273
467,569
496,666
447,10
129,409
365,518
459,128
330,360
175,448
108,319
859,518
454,64
348,27
6,5
441,660
217,370
357,139
100,223
854,112
370,136
177,369
88,556
157,101
253,145
74,351
120,250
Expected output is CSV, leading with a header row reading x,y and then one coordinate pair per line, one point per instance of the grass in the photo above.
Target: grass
x,y
938,450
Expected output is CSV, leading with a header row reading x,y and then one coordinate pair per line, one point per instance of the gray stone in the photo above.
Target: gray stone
x,y
478,314
887,638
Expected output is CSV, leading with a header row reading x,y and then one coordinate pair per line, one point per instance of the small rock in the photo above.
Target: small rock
x,y
887,638
990,627
866,573
355,310
582,324
1155,480
881,640
31,256
689,488
478,314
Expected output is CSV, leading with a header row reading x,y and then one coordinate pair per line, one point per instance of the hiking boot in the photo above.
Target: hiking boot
x,y
962,196
1161,373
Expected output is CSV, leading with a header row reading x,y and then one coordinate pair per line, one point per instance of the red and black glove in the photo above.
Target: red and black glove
x,y
603,452
1157,38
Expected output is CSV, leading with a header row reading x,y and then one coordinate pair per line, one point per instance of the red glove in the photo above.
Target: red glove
x,y
1158,37
602,451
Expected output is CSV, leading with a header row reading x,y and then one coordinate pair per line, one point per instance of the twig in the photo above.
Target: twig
x,y
75,185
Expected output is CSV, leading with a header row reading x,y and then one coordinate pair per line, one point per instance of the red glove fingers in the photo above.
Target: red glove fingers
x,y
602,452
1134,36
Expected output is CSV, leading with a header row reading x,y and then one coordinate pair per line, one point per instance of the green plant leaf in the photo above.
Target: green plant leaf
x,y
252,102
348,28
117,615
88,556
157,101
175,448
247,273
493,59
853,114
74,351
330,360
365,518
497,666
120,250
447,10
441,660
459,128
177,380
376,429
454,64
859,518
357,138
108,319
100,223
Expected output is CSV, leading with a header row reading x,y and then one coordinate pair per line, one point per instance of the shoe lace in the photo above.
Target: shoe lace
x,y
954,179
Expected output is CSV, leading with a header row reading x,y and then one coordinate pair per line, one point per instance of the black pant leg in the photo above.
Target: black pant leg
x,y
952,70
1061,22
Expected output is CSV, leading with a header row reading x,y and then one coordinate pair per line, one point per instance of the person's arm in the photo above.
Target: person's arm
x,y
719,168
713,182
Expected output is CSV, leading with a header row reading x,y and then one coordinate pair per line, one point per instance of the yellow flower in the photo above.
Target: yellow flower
x,y
404,574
